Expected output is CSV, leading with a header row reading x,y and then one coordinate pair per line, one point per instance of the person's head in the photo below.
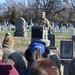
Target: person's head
x,y
35,55
43,67
36,49
42,15
8,41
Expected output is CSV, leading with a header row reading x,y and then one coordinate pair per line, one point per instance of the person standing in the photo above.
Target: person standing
x,y
10,55
45,23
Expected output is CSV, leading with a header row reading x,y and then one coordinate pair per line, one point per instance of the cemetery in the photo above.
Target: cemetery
x,y
61,43
48,22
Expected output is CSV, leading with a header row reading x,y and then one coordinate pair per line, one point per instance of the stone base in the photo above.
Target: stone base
x,y
20,34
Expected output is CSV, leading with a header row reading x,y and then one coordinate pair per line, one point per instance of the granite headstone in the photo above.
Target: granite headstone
x,y
66,49
20,27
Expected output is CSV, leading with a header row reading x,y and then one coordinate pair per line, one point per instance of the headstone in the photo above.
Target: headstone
x,y
30,26
62,29
37,33
9,27
70,25
66,49
26,24
57,27
54,29
52,24
5,25
20,27
71,30
66,54
51,37
2,27
73,39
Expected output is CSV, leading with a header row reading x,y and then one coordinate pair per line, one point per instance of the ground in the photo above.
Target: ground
x,y
21,43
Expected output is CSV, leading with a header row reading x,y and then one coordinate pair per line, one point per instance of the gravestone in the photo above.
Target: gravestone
x,y
71,30
9,27
66,54
30,26
37,33
73,39
70,25
2,27
52,24
51,37
62,29
57,27
54,29
66,49
5,25
20,27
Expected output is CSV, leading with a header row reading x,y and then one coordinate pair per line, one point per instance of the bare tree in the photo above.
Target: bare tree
x,y
51,7
73,4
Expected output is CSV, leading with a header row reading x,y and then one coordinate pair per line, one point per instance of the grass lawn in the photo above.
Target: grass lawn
x,y
21,43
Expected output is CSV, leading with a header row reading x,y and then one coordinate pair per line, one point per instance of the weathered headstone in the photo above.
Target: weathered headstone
x,y
73,39
30,26
54,29
20,27
2,27
57,27
62,29
5,25
70,25
9,27
71,30
52,24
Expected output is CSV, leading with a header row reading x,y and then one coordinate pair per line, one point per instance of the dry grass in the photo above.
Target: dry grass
x,y
21,43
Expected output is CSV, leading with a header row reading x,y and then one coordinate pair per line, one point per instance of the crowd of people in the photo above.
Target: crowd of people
x,y
38,56
40,61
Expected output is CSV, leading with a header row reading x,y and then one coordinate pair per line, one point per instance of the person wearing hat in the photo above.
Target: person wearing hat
x,y
45,23
35,51
10,55
32,54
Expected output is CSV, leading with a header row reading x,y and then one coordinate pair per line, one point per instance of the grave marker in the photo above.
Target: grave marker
x,y
20,27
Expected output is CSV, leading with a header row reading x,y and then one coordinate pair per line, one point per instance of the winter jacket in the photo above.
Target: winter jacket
x,y
14,58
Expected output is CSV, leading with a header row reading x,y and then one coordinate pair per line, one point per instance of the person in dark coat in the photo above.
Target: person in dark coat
x,y
10,55
36,50
71,68
45,53
31,55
